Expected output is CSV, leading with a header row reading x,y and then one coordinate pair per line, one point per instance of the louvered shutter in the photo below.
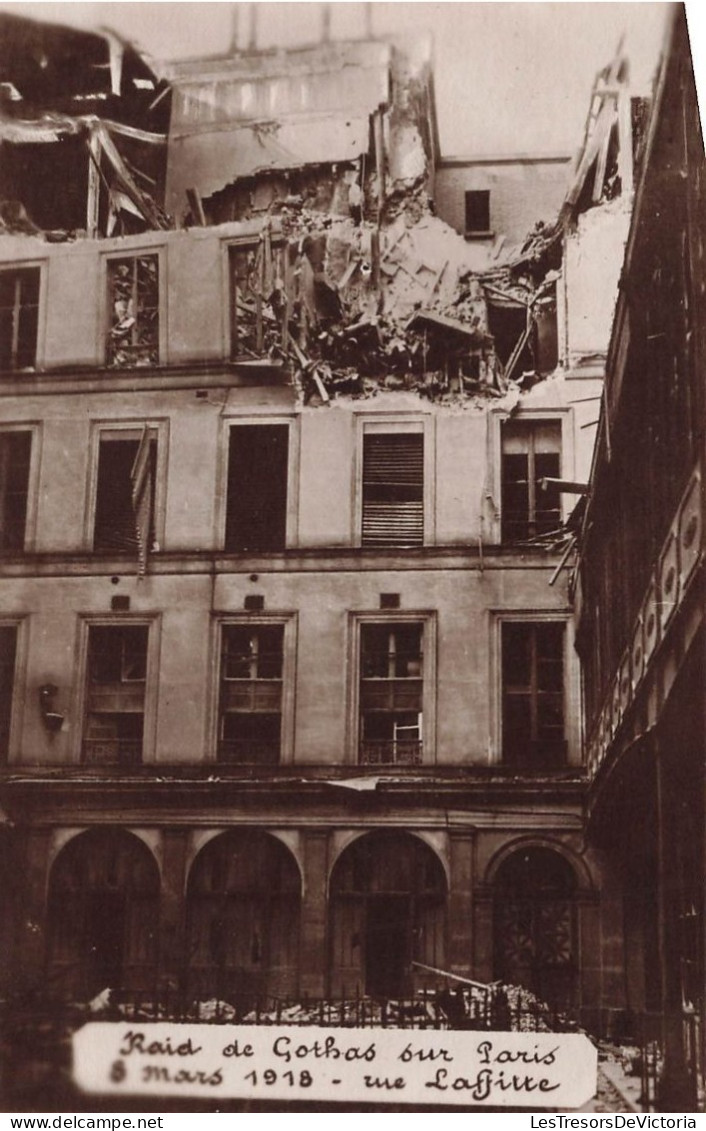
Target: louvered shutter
x,y
393,489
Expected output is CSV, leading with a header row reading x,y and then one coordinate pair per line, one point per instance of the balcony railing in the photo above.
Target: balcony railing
x,y
111,752
242,752
398,752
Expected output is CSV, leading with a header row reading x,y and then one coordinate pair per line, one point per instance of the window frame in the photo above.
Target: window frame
x,y
35,428
384,423
105,322
29,265
289,622
18,698
246,242
427,619
571,690
292,493
127,430
153,621
567,456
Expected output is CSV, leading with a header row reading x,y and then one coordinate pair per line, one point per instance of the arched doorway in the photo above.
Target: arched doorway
x,y
243,905
535,924
388,910
103,914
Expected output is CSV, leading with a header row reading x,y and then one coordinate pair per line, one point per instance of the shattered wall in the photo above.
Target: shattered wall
x,y
593,258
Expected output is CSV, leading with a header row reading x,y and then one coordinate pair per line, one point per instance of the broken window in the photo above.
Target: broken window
x,y
393,489
8,651
115,693
15,451
477,212
531,453
533,694
133,301
256,281
19,312
391,692
250,724
125,494
256,505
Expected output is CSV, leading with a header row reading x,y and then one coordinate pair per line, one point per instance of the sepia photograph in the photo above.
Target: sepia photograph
x,y
352,582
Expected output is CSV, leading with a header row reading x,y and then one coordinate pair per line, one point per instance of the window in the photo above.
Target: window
x,y
533,694
115,693
250,715
393,488
477,212
531,451
15,451
19,312
8,653
256,506
125,493
133,304
257,304
391,693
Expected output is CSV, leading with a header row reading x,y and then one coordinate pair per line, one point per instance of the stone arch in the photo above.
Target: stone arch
x,y
584,877
103,913
388,897
243,900
535,928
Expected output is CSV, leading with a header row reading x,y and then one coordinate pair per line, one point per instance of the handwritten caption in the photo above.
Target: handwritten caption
x,y
367,1065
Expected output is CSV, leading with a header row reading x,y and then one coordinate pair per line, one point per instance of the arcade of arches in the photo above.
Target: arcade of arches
x,y
254,914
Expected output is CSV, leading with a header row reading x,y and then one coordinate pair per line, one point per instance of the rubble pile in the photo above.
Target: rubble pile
x,y
354,308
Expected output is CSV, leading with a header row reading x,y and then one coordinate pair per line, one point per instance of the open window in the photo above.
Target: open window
x,y
391,693
115,693
393,488
15,453
19,315
477,212
251,693
8,655
531,453
125,492
256,505
533,724
133,311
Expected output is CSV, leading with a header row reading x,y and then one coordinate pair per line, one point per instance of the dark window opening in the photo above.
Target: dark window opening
x,y
115,693
125,495
256,507
391,692
19,313
133,302
250,727
15,451
530,453
477,203
8,651
533,695
393,489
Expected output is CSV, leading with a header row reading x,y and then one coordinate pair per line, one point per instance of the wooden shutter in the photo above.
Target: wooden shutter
x,y
393,489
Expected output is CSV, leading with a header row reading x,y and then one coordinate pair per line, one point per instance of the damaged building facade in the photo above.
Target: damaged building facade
x,y
290,698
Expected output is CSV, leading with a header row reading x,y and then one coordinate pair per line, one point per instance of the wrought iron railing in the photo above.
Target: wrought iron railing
x,y
111,752
398,752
